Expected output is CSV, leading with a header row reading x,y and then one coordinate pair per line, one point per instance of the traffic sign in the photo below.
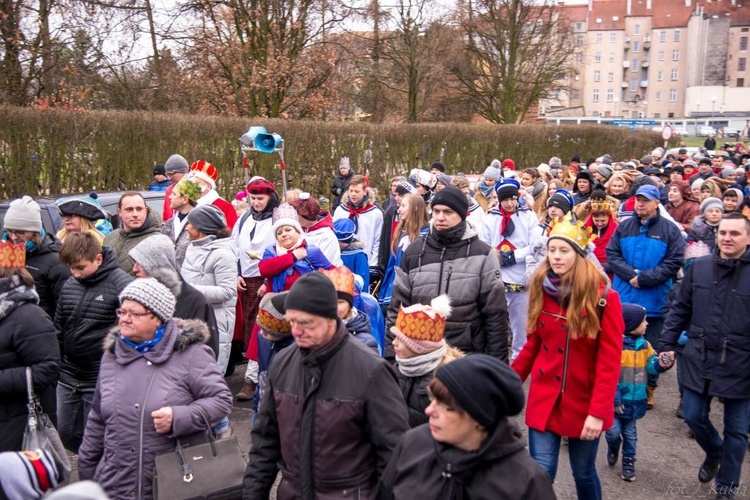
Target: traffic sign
x,y
666,132
633,123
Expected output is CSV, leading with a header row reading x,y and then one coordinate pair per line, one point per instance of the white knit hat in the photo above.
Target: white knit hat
x,y
285,215
24,215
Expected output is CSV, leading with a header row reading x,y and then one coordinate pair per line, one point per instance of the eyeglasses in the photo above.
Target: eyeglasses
x,y
15,232
121,313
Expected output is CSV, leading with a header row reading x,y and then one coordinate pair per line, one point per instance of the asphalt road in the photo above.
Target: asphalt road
x,y
667,460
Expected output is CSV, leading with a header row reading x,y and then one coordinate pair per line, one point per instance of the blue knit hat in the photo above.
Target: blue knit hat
x,y
633,315
344,230
507,188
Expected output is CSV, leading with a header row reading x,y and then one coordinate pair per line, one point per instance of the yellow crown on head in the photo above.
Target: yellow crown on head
x,y
605,205
572,231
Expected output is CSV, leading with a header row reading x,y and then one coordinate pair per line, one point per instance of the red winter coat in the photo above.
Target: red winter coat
x,y
560,403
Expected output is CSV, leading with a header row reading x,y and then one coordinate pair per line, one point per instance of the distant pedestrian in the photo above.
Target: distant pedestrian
x,y
161,182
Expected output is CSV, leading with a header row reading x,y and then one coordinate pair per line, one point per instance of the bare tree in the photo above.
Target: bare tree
x,y
518,53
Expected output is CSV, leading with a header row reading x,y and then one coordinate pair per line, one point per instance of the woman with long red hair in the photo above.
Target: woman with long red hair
x,y
573,355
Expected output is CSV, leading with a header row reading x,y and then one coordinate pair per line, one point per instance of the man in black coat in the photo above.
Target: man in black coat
x,y
332,412
341,182
712,307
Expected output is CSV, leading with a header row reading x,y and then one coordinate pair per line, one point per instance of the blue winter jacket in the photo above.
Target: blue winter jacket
x,y
639,360
656,250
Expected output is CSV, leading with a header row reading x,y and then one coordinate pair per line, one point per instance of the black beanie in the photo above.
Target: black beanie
x,y
453,198
438,166
313,293
487,388
633,315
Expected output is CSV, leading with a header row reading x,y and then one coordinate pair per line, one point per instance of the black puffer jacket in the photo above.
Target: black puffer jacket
x,y
85,313
501,468
27,338
414,390
329,421
469,272
340,186
711,305
43,262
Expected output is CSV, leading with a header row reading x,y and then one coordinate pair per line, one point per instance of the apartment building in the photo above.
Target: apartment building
x,y
657,59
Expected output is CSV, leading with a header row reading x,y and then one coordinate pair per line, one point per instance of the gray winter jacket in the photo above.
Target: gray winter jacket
x,y
120,442
468,270
210,266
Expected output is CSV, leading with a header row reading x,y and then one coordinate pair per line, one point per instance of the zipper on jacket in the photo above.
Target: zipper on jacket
x,y
448,280
565,362
723,351
440,277
78,319
140,434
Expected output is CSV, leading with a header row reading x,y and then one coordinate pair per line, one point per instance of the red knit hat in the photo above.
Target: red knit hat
x,y
508,163
259,185
204,171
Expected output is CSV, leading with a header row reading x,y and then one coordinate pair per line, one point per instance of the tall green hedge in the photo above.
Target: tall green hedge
x,y
59,151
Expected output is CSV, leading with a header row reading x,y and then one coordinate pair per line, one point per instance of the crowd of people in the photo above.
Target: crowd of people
x,y
386,341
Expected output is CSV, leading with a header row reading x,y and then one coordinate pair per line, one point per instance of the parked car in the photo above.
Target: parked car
x,y
731,132
681,131
52,222
705,130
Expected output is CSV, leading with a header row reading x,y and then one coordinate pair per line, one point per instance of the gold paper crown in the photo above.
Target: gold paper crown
x,y
12,256
420,322
572,231
270,323
604,205
342,278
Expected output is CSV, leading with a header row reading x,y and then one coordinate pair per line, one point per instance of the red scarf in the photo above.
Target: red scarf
x,y
506,221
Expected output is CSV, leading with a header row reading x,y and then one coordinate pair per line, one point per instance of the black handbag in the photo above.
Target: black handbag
x,y
40,434
211,470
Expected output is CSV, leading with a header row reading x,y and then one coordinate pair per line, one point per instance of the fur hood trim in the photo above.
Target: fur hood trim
x,y
189,332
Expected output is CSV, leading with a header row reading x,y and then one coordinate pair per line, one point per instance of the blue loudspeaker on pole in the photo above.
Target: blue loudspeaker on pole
x,y
258,139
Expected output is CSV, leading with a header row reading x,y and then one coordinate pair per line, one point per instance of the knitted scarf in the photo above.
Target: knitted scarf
x,y
553,287
421,365
485,189
13,293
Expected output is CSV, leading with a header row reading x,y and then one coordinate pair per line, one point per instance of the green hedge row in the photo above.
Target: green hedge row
x,y
58,151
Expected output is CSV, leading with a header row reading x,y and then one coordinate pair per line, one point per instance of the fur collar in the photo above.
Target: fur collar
x,y
189,332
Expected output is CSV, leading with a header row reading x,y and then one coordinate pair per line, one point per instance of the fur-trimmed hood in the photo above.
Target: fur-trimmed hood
x,y
179,334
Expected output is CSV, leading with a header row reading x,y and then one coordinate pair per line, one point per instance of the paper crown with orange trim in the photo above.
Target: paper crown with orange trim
x,y
602,205
572,231
270,319
420,327
12,256
343,281
204,171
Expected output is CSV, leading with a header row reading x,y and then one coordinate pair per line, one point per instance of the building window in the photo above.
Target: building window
x,y
658,96
741,62
610,77
611,57
659,76
597,76
662,36
676,35
743,43
579,26
637,29
613,38
633,85
636,46
579,39
596,95
634,66
599,37
740,82
672,95
661,55
673,75
676,55
579,58
610,95
576,95
598,57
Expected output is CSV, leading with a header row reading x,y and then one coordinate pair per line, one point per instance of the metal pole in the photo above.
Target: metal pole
x,y
283,172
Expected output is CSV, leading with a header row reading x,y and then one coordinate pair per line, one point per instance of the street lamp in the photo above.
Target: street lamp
x,y
713,105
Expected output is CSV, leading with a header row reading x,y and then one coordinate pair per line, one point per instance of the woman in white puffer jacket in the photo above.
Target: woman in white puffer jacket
x,y
210,266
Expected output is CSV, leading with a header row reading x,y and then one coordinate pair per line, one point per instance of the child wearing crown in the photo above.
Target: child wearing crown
x,y
573,350
420,349
603,222
357,323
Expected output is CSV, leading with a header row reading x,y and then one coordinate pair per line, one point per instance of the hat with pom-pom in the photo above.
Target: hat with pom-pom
x,y
421,328
306,207
87,207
